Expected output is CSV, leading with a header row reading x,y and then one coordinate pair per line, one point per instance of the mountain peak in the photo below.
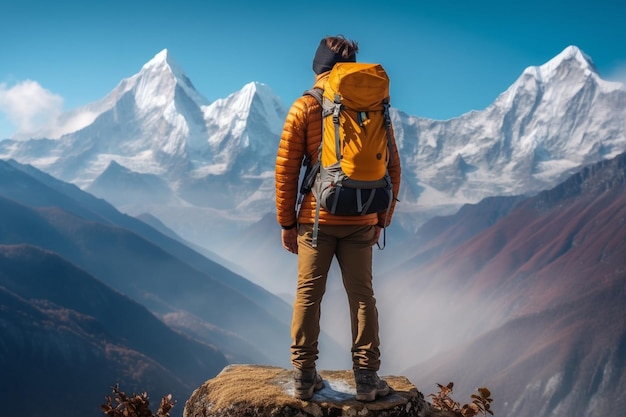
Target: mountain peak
x,y
241,101
162,71
160,59
571,56
161,56
257,89
164,61
572,53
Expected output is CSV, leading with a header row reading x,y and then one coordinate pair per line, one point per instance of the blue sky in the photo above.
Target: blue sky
x,y
444,58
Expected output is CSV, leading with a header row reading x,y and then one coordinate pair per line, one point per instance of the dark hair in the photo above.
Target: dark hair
x,y
342,46
333,49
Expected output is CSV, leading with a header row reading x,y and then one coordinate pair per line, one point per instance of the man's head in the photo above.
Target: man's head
x,y
333,49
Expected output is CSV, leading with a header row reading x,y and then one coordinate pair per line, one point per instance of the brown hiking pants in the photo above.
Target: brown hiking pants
x,y
352,245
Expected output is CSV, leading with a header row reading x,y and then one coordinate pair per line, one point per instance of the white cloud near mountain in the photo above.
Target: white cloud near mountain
x,y
29,107
35,112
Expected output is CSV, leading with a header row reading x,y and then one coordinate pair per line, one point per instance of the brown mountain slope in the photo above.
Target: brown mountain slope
x,y
66,338
566,361
549,281
553,248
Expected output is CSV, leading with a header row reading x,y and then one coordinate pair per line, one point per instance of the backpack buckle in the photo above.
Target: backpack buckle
x,y
336,112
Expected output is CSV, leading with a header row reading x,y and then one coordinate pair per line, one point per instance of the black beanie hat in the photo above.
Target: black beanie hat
x,y
325,59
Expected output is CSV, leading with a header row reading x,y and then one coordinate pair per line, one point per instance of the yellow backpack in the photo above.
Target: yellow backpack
x,y
351,175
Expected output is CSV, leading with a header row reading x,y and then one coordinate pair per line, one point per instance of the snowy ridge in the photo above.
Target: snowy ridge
x,y
157,68
220,156
152,74
245,122
552,120
550,68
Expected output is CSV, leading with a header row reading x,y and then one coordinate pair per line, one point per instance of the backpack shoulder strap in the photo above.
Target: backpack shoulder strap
x,y
317,93
326,105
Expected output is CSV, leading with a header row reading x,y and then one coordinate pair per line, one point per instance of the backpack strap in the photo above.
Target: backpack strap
x,y
336,113
316,225
318,94
387,117
385,222
315,92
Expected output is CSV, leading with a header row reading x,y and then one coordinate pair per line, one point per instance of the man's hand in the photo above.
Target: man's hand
x,y
290,239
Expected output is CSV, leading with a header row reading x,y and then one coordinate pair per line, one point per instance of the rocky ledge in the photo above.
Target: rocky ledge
x,y
266,391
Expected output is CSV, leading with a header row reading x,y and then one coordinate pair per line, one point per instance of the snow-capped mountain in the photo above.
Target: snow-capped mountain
x,y
155,122
553,119
155,128
210,165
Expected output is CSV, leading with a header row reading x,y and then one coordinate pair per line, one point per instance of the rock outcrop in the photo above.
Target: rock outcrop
x,y
266,391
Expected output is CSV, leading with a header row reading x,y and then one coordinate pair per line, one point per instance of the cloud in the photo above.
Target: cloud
x,y
30,108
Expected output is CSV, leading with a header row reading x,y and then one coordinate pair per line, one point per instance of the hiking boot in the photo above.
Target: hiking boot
x,y
369,385
306,383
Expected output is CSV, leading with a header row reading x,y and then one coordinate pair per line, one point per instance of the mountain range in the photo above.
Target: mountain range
x,y
541,295
155,145
503,263
67,338
91,293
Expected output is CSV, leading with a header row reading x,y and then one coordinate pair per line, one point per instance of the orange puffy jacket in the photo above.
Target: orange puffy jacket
x,y
302,134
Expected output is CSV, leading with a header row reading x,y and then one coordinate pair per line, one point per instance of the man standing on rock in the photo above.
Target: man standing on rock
x,y
349,238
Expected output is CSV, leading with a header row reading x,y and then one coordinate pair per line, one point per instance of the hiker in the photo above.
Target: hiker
x,y
317,237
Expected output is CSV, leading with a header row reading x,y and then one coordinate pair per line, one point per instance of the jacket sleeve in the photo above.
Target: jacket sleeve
x,y
395,173
288,163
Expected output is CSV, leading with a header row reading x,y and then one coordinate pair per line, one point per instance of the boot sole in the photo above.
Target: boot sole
x,y
371,396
